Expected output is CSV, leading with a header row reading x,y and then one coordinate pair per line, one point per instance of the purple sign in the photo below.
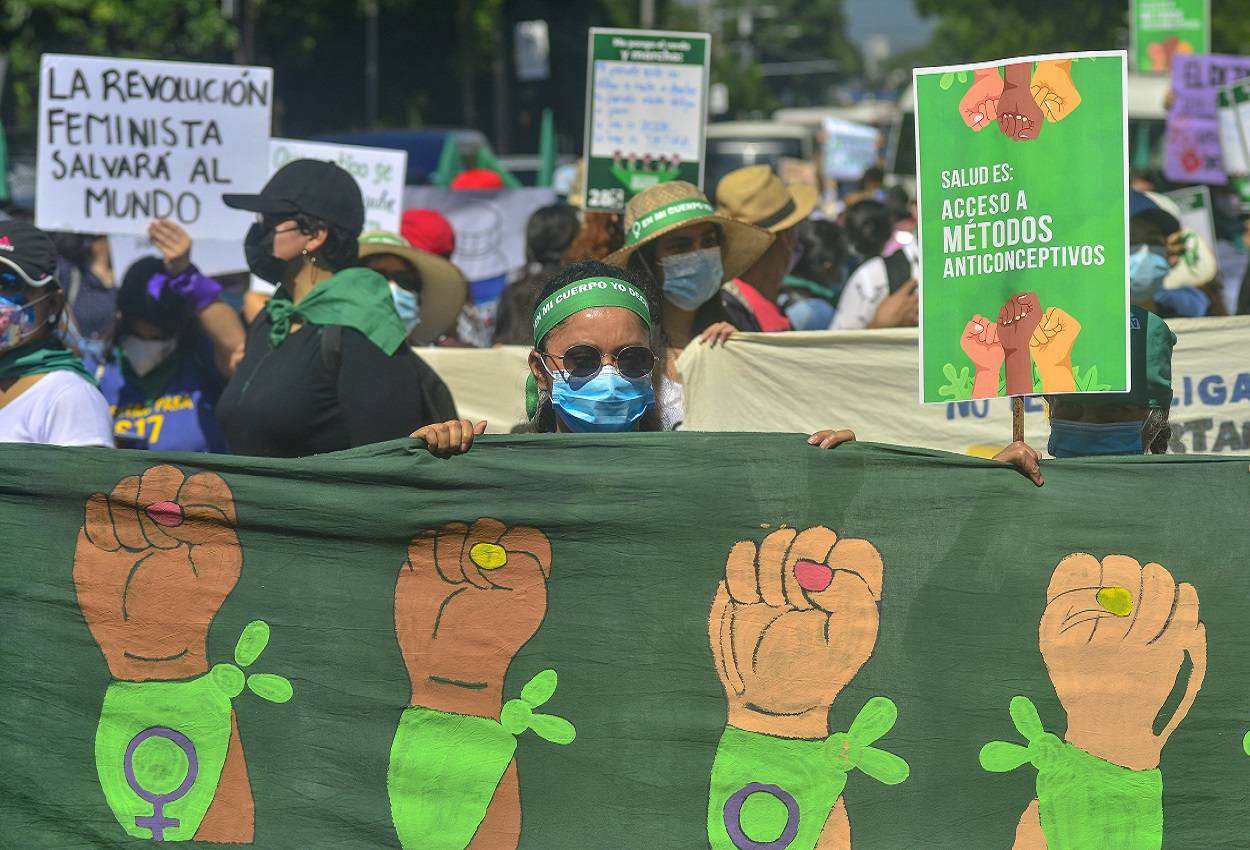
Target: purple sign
x,y
1193,139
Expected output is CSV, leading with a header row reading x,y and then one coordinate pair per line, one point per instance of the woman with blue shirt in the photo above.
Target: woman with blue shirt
x,y
172,351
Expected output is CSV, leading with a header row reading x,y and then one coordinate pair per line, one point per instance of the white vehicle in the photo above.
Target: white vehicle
x,y
734,144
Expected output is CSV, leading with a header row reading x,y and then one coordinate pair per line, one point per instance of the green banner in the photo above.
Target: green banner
x,y
562,642
1162,29
646,110
1022,193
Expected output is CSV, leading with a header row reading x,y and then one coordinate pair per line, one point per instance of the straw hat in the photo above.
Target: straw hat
x,y
757,196
666,207
443,287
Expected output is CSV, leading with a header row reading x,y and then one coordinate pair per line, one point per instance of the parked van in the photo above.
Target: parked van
x,y
1147,126
734,144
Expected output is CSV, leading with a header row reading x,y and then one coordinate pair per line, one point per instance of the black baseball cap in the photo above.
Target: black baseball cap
x,y
311,186
28,251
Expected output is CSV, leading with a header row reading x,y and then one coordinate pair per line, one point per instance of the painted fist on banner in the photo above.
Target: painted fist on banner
x,y
792,623
466,600
1114,636
155,560
1019,116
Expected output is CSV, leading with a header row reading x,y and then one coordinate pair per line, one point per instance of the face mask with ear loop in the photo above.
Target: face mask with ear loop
x,y
17,320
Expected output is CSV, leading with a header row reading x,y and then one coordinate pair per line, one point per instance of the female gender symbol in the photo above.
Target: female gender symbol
x,y
158,823
733,818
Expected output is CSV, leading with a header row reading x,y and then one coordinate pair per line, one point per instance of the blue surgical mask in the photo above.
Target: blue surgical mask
x,y
408,306
606,402
693,278
1088,439
1147,267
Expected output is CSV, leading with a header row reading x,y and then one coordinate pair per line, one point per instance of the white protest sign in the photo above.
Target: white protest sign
x,y
378,171
213,257
124,141
1234,146
850,149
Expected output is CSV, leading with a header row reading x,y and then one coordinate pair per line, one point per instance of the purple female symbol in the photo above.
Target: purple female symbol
x,y
733,818
158,823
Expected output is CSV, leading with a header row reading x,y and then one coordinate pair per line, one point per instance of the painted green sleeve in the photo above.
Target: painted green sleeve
x,y
1084,802
769,793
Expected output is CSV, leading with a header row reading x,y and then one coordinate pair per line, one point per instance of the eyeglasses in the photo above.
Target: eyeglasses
x,y
585,361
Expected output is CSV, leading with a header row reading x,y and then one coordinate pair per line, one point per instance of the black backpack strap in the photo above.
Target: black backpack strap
x,y
897,270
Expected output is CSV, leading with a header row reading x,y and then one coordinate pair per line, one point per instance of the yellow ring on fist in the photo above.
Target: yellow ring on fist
x,y
488,556
1116,600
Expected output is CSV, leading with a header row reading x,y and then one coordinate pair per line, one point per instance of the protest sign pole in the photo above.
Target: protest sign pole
x,y
1017,420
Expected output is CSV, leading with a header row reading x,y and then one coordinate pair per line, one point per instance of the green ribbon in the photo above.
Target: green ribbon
x,y
779,775
1083,801
42,358
445,767
672,213
585,294
356,298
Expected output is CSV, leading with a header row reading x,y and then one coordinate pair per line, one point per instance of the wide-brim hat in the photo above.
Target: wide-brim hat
x,y
669,206
757,196
443,286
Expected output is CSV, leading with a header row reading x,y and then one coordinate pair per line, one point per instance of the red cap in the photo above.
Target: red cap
x,y
477,178
427,230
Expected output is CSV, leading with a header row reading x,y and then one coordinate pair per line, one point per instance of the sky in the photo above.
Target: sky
x,y
895,19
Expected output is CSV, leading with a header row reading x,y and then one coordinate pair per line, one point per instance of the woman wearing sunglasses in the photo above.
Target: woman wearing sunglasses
x,y
597,361
46,393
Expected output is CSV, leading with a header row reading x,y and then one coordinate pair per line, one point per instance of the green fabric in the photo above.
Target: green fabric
x,y
449,163
1150,360
546,149
811,772
583,295
1083,801
486,159
677,212
640,528
357,298
811,286
40,359
152,384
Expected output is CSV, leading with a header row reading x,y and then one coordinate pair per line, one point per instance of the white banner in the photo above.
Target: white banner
x,y
123,142
379,172
866,381
213,257
849,149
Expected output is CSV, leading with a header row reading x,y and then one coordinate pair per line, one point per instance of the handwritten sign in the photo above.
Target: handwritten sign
x,y
122,142
849,150
646,112
1193,135
213,257
378,171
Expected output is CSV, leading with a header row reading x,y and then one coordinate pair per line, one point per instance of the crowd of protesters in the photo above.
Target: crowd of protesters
x,y
157,356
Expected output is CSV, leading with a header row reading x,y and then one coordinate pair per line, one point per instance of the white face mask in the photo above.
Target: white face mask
x,y
144,355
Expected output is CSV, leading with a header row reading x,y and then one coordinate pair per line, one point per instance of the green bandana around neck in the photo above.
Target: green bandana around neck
x,y
40,359
585,294
356,298
676,212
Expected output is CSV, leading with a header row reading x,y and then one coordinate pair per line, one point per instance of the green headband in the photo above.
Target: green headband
x,y
585,294
673,213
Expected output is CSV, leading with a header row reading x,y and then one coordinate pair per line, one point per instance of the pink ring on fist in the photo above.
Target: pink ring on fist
x,y
168,514
813,576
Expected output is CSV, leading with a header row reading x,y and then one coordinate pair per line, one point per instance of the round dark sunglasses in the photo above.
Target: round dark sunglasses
x,y
585,361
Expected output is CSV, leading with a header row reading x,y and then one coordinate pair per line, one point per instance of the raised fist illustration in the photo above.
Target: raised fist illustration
x,y
1051,348
1114,635
792,623
1019,116
155,560
1017,320
466,600
979,106
1053,90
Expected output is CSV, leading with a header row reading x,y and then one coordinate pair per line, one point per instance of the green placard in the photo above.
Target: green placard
x,y
646,110
1022,194
1163,28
